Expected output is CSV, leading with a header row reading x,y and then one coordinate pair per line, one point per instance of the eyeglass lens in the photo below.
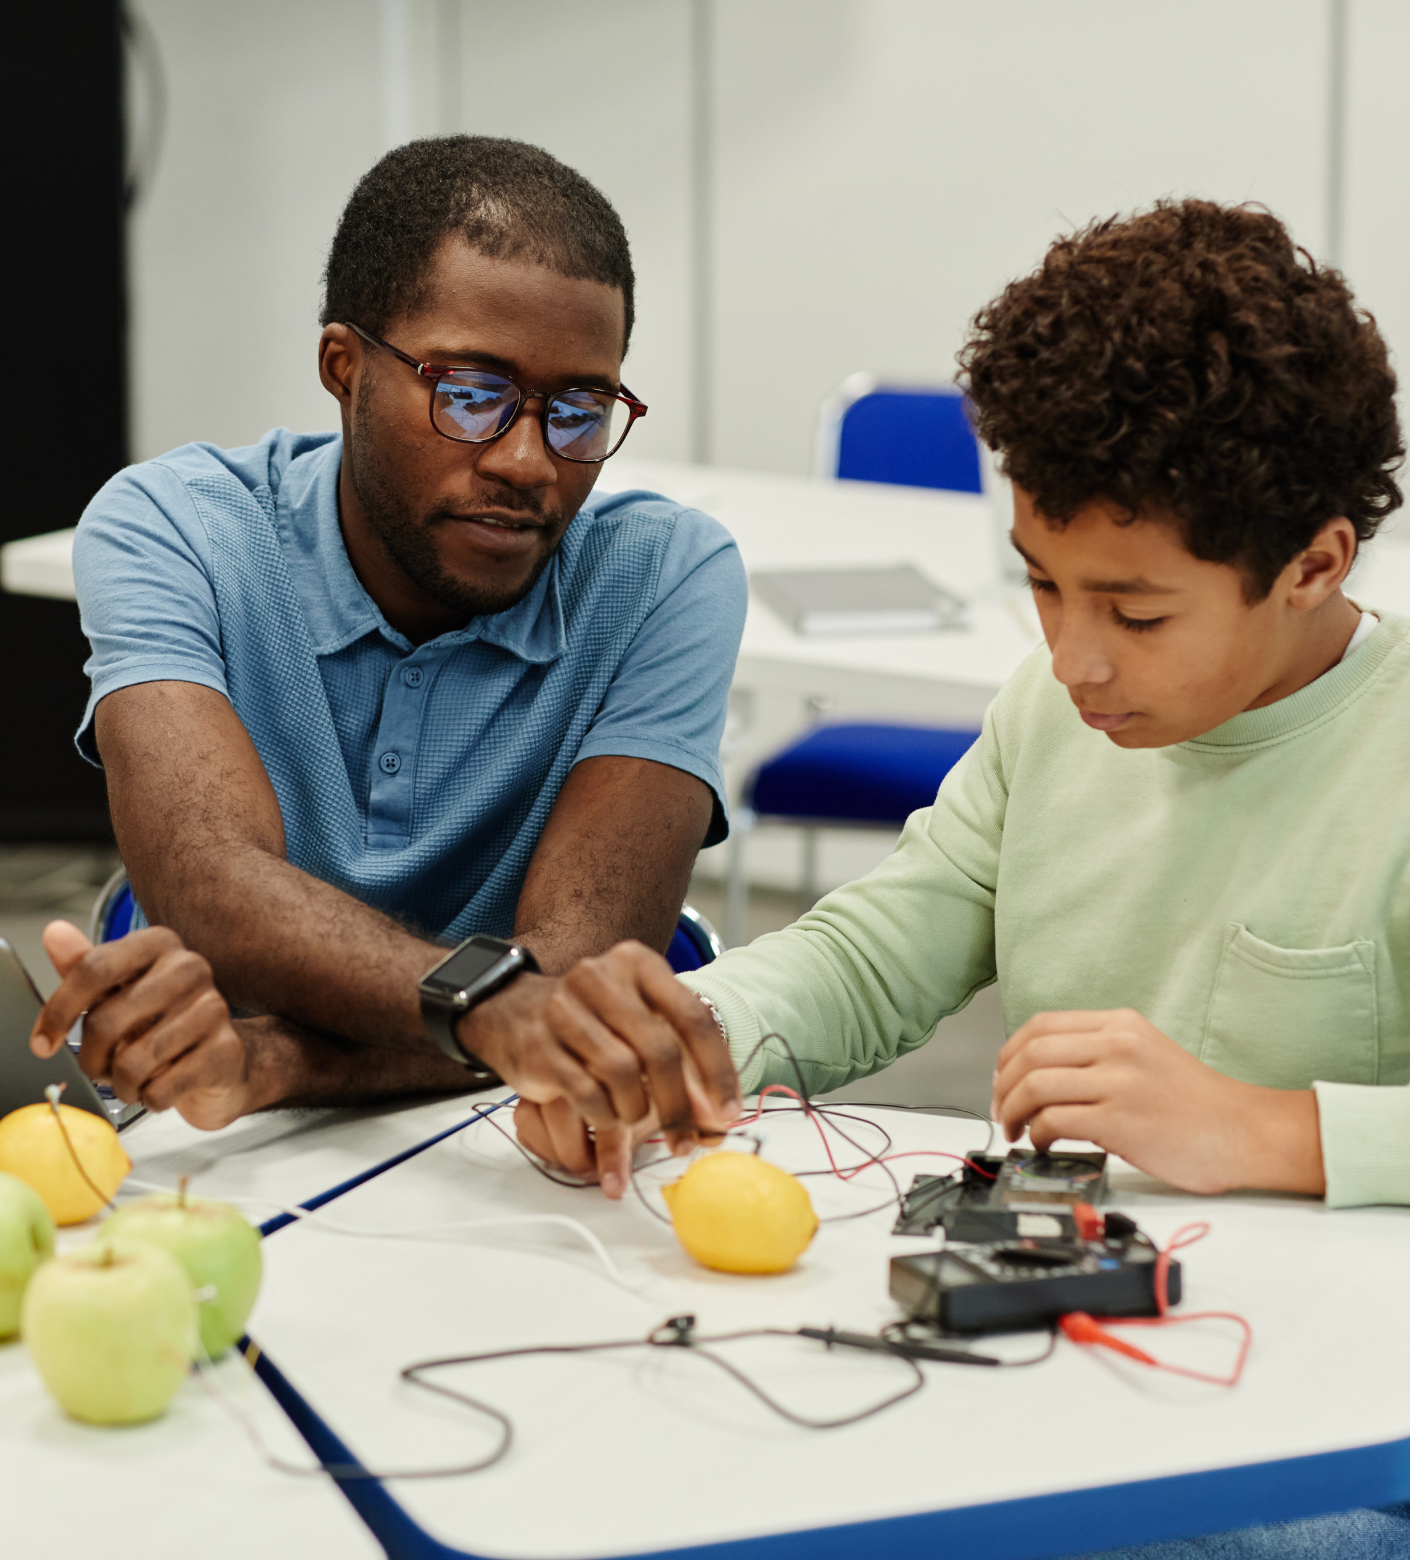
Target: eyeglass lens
x,y
581,424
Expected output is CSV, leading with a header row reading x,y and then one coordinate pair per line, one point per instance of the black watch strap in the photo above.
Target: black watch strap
x,y
440,1025
443,1006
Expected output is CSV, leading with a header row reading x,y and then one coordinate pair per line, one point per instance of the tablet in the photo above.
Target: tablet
x,y
24,1076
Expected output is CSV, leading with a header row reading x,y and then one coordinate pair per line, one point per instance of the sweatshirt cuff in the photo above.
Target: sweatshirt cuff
x,y
1365,1143
741,1025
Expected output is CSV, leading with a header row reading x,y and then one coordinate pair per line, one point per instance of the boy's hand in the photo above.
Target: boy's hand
x,y
1112,1078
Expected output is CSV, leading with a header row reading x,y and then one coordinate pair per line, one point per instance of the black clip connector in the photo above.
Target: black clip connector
x,y
678,1332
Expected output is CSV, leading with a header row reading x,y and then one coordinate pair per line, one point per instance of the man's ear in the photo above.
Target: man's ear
x,y
1322,566
340,361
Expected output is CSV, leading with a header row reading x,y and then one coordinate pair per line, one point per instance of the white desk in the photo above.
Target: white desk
x,y
190,1484
649,1452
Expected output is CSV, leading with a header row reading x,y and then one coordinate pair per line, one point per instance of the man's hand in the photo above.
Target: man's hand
x,y
154,1025
617,1044
1112,1078
556,1132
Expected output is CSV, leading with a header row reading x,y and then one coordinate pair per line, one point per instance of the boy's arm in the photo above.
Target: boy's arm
x,y
867,974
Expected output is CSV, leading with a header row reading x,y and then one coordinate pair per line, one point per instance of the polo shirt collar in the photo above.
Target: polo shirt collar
x,y
338,609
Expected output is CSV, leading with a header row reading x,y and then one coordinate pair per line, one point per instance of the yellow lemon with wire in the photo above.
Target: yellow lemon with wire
x,y
740,1214
72,1159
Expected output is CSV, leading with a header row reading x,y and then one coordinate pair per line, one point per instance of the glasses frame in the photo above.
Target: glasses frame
x,y
435,372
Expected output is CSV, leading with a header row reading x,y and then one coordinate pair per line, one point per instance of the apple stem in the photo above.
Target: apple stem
x,y
107,1260
181,1191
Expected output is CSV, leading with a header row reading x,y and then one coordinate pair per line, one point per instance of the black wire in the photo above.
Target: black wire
x,y
904,1330
936,1110
483,1115
678,1333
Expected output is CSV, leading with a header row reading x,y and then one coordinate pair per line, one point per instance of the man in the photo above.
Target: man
x,y
360,696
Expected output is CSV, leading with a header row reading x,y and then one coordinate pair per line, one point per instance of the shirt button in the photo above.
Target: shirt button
x,y
412,676
390,763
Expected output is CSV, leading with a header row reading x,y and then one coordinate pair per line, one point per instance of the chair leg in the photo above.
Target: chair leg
x,y
808,886
737,880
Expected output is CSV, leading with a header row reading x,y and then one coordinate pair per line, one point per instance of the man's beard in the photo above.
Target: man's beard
x,y
410,539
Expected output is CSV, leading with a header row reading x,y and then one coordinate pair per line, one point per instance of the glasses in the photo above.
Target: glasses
x,y
473,406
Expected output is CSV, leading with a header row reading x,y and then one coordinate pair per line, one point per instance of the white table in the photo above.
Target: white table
x,y
191,1484
651,1452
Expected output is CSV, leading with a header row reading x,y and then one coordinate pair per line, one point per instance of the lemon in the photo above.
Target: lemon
x,y
33,1148
740,1214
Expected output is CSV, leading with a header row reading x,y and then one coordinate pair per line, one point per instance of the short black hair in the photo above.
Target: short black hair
x,y
508,200
1191,360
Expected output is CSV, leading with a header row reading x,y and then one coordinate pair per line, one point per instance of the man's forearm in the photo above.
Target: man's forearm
x,y
280,941
291,1067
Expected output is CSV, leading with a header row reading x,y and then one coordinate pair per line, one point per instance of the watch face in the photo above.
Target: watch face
x,y
468,964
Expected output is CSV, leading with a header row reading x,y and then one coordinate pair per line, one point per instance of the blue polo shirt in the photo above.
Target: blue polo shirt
x,y
416,777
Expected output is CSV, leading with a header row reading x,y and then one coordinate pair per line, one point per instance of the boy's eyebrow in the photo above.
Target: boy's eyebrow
x,y
1138,586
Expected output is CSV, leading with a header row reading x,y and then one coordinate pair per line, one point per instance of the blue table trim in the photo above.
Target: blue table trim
x,y
282,1220
1040,1527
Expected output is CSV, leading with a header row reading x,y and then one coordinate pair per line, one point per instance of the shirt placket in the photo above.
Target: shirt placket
x,y
391,788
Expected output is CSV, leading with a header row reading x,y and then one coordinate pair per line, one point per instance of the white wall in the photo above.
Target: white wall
x,y
1376,249
274,114
882,171
878,168
279,106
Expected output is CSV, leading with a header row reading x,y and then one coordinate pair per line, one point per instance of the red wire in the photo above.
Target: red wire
x,y
878,1159
1186,1235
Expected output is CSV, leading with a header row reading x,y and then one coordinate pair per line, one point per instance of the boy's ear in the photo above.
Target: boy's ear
x,y
1322,566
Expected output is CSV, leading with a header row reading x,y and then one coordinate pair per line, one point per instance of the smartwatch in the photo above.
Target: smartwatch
x,y
479,967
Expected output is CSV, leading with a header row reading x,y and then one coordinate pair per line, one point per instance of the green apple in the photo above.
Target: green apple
x,y
112,1330
215,1244
26,1240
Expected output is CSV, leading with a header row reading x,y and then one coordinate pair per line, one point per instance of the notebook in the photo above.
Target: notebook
x,y
858,601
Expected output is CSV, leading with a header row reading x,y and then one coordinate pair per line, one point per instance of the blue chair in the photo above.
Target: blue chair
x,y
850,776
112,912
916,435
694,943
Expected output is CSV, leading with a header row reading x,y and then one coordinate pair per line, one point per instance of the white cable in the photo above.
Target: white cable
x,y
413,1231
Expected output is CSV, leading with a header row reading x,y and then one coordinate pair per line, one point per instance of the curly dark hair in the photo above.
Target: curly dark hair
x,y
506,199
1191,361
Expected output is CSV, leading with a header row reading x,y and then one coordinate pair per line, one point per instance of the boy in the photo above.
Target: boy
x,y
1180,843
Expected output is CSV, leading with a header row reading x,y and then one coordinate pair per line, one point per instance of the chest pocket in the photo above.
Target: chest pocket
x,y
1289,1016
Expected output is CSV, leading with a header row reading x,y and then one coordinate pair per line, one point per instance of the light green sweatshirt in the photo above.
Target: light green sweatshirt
x,y
1247,892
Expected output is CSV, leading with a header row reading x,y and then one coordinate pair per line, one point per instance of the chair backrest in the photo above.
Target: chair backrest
x,y
111,917
917,435
694,943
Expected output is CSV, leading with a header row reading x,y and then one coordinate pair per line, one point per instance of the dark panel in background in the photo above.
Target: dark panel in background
x,y
64,428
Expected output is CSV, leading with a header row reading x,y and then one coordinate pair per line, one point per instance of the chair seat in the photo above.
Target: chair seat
x,y
864,773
